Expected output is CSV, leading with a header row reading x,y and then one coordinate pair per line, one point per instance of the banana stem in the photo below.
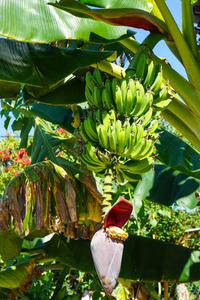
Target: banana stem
x,y
110,68
188,59
107,190
188,27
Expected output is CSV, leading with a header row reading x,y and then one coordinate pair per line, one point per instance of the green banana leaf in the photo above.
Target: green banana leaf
x,y
46,142
36,21
4,293
10,245
9,90
177,154
166,186
144,259
70,92
59,115
17,275
42,64
142,4
129,16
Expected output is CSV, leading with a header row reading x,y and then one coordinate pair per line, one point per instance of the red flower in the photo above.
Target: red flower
x,y
15,174
16,158
59,154
61,130
26,161
119,213
21,153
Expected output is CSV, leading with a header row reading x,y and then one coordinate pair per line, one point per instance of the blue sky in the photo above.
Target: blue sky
x,y
161,49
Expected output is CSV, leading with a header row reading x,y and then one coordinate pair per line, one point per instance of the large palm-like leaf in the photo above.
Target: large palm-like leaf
x,y
171,263
127,14
36,21
42,64
177,154
166,186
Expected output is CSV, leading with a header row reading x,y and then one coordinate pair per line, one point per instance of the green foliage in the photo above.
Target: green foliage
x,y
42,84
164,223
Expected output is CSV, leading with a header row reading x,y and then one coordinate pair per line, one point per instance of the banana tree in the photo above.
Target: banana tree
x,y
44,67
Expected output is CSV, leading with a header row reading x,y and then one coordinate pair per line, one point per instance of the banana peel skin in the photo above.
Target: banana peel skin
x,y
107,244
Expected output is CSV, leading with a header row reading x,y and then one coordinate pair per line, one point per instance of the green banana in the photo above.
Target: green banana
x,y
130,176
137,167
83,133
103,136
146,117
148,150
138,149
162,95
106,119
90,128
140,133
155,136
139,87
118,100
153,126
88,96
112,115
127,129
141,67
156,85
114,84
98,116
108,87
120,135
150,75
121,142
112,139
91,153
90,81
132,87
119,176
147,101
92,166
138,104
97,97
97,77
123,87
130,147
129,102
106,100
162,104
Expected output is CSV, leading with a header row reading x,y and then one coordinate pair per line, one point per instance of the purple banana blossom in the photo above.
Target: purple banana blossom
x,y
107,244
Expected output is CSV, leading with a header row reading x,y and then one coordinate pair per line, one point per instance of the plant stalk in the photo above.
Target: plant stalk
x,y
110,68
107,191
188,59
188,27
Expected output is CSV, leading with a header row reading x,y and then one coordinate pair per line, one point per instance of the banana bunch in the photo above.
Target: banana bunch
x,y
88,129
132,170
130,97
96,160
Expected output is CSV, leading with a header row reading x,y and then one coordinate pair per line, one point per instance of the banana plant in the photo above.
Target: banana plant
x,y
43,72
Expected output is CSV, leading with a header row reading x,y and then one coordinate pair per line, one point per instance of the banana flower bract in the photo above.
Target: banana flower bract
x,y
107,244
